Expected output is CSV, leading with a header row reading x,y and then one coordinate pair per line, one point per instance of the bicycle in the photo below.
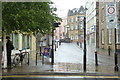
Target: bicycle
x,y
22,57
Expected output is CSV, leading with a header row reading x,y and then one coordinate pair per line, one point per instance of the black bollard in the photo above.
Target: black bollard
x,y
116,59
40,50
55,47
116,62
109,50
96,59
80,45
42,58
36,59
59,43
28,58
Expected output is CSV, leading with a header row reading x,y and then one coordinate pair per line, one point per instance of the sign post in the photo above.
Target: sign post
x,y
111,15
111,23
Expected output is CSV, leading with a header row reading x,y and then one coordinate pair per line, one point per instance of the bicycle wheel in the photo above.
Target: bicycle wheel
x,y
25,58
16,60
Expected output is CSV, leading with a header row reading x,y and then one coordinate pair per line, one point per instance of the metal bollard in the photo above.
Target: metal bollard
x,y
36,59
116,62
96,59
55,47
40,50
28,58
109,50
59,43
42,59
21,58
80,45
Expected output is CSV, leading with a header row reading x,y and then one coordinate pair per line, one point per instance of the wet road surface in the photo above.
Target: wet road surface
x,y
59,77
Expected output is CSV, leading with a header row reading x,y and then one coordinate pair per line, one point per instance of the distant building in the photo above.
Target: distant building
x,y
75,24
60,32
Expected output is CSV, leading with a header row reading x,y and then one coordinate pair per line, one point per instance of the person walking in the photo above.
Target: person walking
x,y
9,47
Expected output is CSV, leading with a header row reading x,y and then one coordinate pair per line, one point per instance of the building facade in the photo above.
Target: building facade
x,y
75,23
20,41
60,32
107,36
92,22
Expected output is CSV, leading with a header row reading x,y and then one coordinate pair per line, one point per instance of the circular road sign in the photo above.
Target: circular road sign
x,y
111,10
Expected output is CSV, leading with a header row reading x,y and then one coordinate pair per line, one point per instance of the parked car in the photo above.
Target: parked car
x,y
67,40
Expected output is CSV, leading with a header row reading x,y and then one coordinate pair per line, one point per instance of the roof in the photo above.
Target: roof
x,y
76,11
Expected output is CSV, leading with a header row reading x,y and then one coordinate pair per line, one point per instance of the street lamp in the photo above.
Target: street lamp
x,y
84,55
52,55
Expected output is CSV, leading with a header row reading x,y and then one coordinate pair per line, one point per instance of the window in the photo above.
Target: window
x,y
68,28
23,41
76,36
102,15
72,37
68,20
118,35
72,19
110,36
28,45
76,26
16,41
76,19
30,42
72,28
103,39
11,37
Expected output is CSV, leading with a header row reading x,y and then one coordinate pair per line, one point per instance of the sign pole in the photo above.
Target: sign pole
x,y
116,62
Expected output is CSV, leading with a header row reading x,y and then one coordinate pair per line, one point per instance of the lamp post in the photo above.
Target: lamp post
x,y
52,55
52,47
84,55
116,54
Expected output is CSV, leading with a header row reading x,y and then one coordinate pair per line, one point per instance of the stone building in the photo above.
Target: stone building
x,y
75,23
107,36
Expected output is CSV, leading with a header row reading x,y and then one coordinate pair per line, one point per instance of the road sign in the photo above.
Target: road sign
x,y
111,22
111,9
111,16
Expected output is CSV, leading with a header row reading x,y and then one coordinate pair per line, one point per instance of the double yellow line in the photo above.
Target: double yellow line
x,y
56,76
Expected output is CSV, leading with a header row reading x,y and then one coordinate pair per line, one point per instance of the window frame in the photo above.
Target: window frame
x,y
103,37
118,36
110,36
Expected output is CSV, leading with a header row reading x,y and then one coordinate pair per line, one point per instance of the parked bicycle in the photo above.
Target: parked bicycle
x,y
22,57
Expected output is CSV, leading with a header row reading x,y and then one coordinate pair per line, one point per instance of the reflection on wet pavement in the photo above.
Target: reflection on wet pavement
x,y
68,58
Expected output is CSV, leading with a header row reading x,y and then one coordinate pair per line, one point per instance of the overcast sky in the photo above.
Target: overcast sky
x,y
64,5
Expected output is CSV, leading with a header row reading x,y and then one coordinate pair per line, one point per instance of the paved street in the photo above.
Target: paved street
x,y
71,57
68,59
68,65
71,53
38,77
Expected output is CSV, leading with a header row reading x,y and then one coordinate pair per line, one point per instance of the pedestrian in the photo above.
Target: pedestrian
x,y
9,47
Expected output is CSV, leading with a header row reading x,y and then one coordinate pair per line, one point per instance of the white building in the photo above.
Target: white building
x,y
92,21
